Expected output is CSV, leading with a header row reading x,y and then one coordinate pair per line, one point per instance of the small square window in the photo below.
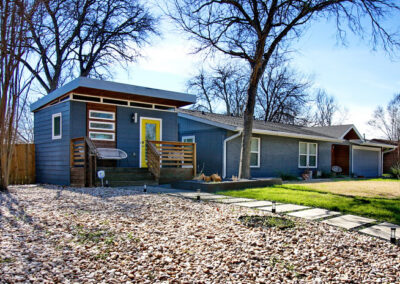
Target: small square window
x,y
308,155
56,126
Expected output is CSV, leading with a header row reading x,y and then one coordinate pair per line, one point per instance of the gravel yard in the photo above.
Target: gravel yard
x,y
49,234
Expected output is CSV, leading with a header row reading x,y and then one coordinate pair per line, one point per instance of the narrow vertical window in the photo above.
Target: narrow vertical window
x,y
255,153
56,126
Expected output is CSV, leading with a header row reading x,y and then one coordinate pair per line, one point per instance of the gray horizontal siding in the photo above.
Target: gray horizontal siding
x,y
209,140
52,156
128,132
278,155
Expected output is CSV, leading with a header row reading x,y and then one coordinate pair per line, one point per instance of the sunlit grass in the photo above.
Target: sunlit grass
x,y
378,208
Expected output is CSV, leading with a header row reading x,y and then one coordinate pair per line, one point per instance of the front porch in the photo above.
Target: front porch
x,y
167,161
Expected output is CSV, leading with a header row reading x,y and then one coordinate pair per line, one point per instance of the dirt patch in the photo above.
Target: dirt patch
x,y
362,188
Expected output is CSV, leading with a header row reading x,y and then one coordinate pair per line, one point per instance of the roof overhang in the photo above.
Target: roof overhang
x,y
258,131
209,122
295,135
373,144
90,86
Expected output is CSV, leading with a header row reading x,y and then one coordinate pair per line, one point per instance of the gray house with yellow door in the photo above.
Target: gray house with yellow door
x,y
89,117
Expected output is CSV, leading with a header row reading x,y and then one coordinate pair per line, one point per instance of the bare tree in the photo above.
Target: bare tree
x,y
200,85
229,85
13,84
253,30
387,120
82,37
283,94
326,108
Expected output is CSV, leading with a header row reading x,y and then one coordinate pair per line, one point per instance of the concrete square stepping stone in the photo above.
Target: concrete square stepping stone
x,y
234,200
258,203
382,230
194,194
313,214
348,221
284,208
212,197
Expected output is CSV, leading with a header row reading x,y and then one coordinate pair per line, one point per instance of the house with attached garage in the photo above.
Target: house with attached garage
x,y
279,148
128,132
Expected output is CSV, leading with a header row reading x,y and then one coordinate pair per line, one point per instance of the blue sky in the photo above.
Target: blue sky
x,y
360,79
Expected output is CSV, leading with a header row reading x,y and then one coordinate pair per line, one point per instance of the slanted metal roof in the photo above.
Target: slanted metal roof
x,y
179,99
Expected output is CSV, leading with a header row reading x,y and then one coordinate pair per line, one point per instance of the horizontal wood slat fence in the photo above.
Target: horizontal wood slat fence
x,y
83,161
170,154
23,164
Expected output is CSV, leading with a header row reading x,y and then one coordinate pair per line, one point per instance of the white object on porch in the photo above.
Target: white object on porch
x,y
111,154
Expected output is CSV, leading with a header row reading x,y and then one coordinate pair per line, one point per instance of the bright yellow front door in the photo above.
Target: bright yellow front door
x,y
150,130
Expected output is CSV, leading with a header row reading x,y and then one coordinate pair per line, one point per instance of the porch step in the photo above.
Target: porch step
x,y
123,170
126,176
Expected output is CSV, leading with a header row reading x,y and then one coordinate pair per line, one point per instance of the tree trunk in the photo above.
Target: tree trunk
x,y
244,166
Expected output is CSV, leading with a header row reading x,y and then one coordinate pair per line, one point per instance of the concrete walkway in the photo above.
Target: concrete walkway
x,y
348,222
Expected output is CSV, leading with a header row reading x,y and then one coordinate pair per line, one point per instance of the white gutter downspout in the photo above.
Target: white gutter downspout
x,y
224,154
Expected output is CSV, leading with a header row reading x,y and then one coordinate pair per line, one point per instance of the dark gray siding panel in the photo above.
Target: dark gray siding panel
x,y
209,140
128,132
366,163
52,156
278,155
78,119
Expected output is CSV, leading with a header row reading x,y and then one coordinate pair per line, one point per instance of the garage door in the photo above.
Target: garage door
x,y
366,161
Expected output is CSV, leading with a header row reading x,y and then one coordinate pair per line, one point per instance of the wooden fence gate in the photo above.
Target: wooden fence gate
x,y
23,164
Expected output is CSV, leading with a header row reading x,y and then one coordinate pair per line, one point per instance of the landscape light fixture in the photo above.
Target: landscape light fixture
x,y
393,235
198,195
145,188
273,207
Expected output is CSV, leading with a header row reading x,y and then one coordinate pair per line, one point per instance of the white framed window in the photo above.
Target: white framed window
x,y
308,155
104,115
101,125
189,139
255,152
102,136
56,126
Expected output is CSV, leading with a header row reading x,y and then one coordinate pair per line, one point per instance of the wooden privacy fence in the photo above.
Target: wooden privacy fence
x,y
22,169
170,154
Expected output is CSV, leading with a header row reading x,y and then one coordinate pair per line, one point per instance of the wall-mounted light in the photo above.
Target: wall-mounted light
x,y
134,117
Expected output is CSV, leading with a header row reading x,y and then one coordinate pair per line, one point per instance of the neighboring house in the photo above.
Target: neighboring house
x,y
278,148
391,156
112,115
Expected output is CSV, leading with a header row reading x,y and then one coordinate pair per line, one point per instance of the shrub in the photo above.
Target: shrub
x,y
286,176
327,175
395,170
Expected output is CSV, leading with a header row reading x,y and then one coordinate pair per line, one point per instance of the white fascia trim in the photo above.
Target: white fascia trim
x,y
224,152
366,148
374,144
355,129
207,121
293,135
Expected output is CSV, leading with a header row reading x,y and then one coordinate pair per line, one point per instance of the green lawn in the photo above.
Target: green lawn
x,y
378,208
